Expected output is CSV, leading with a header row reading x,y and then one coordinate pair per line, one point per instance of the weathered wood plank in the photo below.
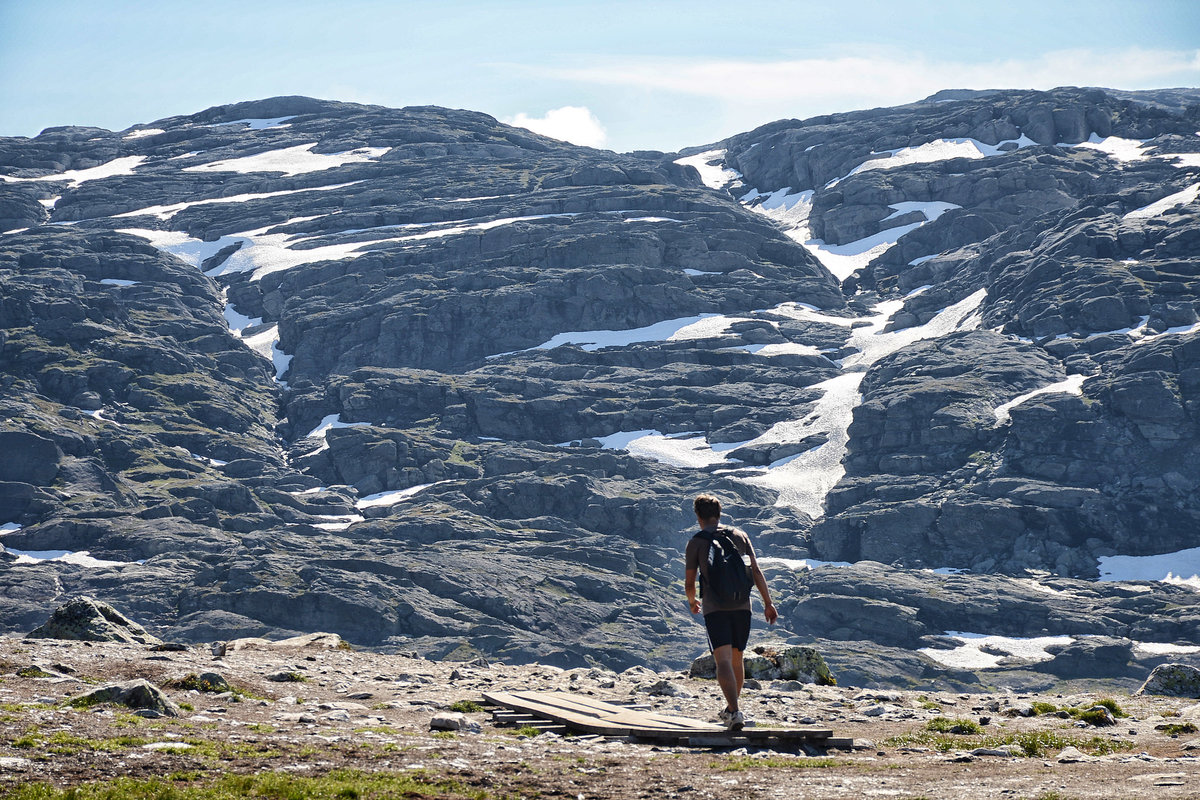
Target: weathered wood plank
x,y
594,716
590,715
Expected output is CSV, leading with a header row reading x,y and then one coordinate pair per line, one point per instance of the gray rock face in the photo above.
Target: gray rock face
x,y
90,620
435,383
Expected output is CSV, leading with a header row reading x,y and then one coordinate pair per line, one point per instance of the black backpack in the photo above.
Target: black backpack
x,y
728,582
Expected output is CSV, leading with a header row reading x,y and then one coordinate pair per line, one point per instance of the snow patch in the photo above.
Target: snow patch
x,y
792,210
781,349
937,150
1181,159
338,522
703,326
117,282
689,450
971,654
713,173
330,422
266,344
844,259
1114,146
110,169
167,212
259,124
1072,384
799,564
238,321
1181,568
290,161
1162,206
1164,649
142,133
931,209
393,497
804,481
81,558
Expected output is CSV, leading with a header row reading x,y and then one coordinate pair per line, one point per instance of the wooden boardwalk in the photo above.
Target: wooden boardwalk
x,y
588,715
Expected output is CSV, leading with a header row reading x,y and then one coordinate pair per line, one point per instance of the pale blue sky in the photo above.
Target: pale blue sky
x,y
659,75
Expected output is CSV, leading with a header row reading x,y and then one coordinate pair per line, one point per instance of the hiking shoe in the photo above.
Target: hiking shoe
x,y
734,720
724,716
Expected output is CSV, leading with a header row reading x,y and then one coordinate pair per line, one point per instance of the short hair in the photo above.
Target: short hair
x,y
707,507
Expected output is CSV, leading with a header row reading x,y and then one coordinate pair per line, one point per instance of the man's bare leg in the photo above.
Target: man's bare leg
x,y
728,678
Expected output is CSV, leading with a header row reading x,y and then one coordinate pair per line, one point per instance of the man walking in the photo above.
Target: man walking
x,y
726,620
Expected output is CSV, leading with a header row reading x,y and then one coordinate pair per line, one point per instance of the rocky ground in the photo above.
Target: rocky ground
x,y
303,713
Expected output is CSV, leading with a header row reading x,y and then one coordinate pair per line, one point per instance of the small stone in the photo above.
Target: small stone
x,y
987,751
879,710
1072,755
448,721
664,688
167,746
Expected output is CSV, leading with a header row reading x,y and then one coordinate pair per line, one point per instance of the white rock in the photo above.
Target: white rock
x,y
879,710
986,751
338,715
1072,755
448,721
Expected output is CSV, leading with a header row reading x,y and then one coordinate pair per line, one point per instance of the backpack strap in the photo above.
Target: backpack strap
x,y
720,532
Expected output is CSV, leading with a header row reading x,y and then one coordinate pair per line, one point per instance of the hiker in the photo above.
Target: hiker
x,y
726,613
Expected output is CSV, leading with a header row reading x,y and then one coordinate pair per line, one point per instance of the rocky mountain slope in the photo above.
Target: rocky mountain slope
x,y
433,382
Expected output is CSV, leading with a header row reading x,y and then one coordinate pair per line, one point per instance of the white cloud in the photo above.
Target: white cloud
x,y
574,124
889,77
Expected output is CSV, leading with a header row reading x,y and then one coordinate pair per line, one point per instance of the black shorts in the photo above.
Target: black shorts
x,y
728,627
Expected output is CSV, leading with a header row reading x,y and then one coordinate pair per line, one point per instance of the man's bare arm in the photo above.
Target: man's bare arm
x,y
689,586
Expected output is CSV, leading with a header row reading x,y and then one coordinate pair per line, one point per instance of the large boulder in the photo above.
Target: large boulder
x,y
795,663
139,694
28,457
89,620
1172,680
1090,657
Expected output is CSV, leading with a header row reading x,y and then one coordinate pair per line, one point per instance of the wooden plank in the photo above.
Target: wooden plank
x,y
582,722
786,733
631,717
590,715
595,716
537,702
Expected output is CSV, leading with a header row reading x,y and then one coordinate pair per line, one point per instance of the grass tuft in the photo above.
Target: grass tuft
x,y
958,727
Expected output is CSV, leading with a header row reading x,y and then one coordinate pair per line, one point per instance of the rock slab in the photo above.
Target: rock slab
x,y
90,620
